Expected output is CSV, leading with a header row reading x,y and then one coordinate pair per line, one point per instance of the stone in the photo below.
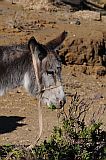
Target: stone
x,y
101,71
83,50
74,2
87,15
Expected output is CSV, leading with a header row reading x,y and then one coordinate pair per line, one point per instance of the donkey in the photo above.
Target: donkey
x,y
35,66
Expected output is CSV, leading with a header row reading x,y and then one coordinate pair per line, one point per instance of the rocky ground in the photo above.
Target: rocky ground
x,y
85,55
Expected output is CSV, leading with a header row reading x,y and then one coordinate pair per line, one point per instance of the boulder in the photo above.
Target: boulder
x,y
89,51
87,15
72,2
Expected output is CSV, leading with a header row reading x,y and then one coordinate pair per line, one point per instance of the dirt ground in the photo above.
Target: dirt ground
x,y
18,111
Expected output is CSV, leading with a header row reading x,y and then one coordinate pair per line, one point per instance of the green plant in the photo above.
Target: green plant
x,y
74,139
10,151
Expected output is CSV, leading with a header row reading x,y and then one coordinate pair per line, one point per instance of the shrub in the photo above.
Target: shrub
x,y
71,140
74,140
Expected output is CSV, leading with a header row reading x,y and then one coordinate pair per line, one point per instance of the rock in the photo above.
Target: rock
x,y
73,2
87,15
75,21
97,96
98,71
102,1
31,4
101,71
94,4
81,50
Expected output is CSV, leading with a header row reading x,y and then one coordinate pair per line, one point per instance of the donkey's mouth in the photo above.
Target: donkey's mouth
x,y
57,106
52,106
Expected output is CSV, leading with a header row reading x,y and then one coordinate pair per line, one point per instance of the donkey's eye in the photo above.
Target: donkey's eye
x,y
50,72
58,67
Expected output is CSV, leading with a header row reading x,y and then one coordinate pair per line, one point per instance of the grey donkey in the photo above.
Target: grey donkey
x,y
35,66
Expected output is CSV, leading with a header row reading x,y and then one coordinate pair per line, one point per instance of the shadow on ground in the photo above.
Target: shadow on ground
x,y
10,123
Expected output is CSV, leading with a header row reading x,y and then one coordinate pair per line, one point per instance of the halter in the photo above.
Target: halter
x,y
47,88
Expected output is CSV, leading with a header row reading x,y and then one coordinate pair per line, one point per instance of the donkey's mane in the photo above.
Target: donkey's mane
x,y
10,53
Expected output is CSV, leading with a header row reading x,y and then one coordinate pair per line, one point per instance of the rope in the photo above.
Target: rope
x,y
40,119
40,124
40,90
37,68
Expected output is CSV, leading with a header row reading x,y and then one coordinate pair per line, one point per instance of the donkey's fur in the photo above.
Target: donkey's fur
x,y
17,69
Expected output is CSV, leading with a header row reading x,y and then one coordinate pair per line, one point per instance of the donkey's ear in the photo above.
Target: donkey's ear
x,y
32,43
37,49
55,43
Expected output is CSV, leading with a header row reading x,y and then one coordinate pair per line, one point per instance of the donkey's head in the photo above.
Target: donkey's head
x,y
47,66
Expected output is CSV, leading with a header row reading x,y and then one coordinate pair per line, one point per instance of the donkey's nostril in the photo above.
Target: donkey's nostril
x,y
62,102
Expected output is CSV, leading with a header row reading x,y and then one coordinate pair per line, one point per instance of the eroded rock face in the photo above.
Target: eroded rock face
x,y
75,2
87,15
80,51
31,4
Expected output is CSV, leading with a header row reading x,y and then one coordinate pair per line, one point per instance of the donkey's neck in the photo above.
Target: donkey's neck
x,y
11,53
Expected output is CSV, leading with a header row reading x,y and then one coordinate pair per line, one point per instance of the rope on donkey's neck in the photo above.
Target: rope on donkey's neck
x,y
40,118
40,91
40,124
36,68
37,73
